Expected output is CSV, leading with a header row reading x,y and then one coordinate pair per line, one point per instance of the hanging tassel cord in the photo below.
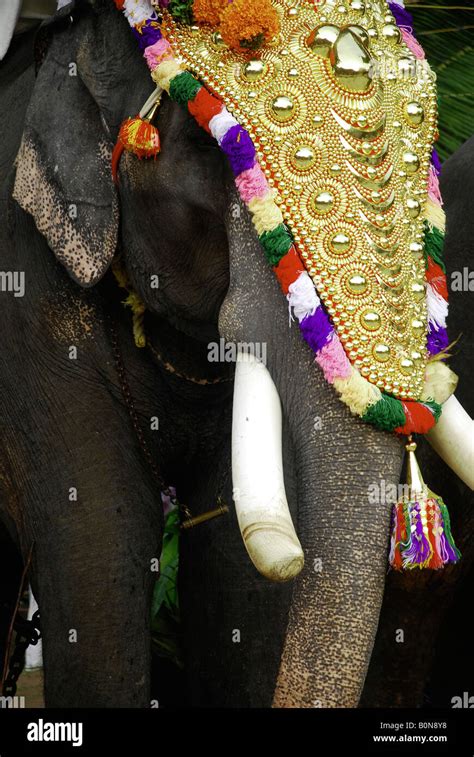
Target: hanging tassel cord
x,y
138,135
421,526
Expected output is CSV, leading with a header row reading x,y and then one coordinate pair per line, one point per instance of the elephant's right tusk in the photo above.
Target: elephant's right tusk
x,y
453,440
257,473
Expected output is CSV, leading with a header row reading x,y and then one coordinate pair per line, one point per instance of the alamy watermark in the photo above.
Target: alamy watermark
x,y
406,68
45,731
463,702
386,493
14,703
227,352
462,281
13,282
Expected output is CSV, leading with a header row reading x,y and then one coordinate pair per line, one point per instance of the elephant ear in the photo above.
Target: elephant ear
x,y
63,175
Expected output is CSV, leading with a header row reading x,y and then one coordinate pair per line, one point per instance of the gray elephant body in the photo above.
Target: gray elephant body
x,y
67,427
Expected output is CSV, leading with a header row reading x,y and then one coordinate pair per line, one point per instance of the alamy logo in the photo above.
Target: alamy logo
x,y
464,702
42,731
13,281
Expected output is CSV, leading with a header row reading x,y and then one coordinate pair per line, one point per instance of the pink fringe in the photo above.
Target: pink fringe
x,y
157,53
434,191
333,361
252,183
411,42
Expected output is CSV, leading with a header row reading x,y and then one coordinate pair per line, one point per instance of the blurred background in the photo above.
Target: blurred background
x,y
446,32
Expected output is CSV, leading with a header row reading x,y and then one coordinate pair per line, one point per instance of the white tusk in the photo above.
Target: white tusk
x,y
257,473
453,440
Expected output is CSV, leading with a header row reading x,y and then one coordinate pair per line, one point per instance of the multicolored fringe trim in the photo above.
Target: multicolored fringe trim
x,y
421,535
363,398
436,287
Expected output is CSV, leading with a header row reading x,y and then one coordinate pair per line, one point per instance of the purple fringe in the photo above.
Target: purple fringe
x,y
239,149
419,550
437,340
447,552
402,17
148,35
316,329
436,161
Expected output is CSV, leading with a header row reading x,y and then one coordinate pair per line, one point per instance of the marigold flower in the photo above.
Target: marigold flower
x,y
249,25
209,11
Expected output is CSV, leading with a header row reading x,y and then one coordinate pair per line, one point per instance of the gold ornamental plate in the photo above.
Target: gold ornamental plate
x,y
343,118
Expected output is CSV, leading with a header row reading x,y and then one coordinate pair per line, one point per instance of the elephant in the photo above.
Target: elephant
x,y
82,467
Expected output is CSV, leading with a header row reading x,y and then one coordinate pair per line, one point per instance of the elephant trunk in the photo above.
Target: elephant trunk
x,y
332,462
343,524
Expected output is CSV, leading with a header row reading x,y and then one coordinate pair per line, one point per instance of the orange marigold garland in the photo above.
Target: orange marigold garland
x,y
209,11
249,25
243,24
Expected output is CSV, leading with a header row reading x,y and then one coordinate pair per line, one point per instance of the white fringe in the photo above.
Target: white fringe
x,y
302,296
435,215
137,11
220,124
437,308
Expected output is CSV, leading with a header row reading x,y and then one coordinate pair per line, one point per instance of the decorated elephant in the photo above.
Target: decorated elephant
x,y
100,418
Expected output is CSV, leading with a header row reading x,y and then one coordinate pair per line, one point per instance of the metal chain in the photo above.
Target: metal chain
x,y
27,632
130,404
189,521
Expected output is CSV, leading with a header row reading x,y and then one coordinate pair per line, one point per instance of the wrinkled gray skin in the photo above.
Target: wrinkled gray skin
x,y
306,644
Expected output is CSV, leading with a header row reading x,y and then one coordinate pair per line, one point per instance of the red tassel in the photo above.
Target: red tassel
x,y
399,536
419,419
136,135
140,137
436,561
116,155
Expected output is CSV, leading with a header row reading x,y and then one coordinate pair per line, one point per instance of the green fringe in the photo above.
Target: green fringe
x,y
276,243
386,414
434,242
406,515
184,88
446,523
182,11
435,408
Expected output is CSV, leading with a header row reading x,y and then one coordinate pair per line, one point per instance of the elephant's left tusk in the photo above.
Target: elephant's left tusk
x,y
257,473
453,440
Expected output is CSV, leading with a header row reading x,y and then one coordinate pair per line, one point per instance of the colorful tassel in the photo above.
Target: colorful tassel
x,y
139,136
421,527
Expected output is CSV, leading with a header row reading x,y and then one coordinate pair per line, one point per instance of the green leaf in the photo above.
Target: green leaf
x,y
166,588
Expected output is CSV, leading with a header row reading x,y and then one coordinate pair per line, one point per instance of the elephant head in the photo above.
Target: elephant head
x,y
179,218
